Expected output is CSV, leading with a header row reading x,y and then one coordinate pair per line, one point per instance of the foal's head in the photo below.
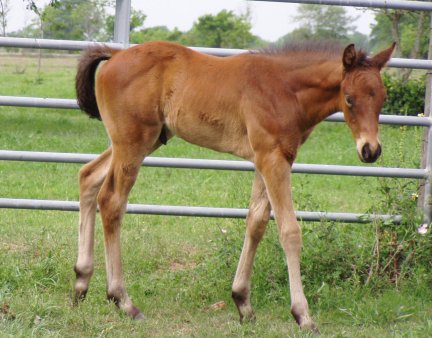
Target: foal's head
x,y
362,96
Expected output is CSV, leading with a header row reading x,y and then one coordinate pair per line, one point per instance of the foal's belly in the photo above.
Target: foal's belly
x,y
221,132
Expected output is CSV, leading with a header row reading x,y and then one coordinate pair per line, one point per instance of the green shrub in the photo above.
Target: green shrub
x,y
404,98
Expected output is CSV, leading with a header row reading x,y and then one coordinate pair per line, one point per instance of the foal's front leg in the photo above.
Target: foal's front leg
x,y
275,170
256,223
92,176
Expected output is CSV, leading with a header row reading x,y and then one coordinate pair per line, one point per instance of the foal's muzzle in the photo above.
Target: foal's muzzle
x,y
368,155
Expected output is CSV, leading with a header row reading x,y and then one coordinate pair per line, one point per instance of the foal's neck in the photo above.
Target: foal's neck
x,y
319,91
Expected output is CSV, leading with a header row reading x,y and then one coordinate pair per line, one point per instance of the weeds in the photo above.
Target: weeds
x,y
399,249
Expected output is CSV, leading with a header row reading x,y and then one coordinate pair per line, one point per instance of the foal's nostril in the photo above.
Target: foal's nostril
x,y
378,152
367,154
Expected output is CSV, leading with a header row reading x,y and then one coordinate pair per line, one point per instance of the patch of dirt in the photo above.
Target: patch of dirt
x,y
13,247
178,265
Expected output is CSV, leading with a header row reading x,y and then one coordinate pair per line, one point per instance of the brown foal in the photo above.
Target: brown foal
x,y
260,106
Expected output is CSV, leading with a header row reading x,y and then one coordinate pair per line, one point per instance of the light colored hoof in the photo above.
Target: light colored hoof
x,y
139,316
304,320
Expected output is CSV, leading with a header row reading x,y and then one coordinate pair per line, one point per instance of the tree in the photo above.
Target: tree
x,y
326,22
407,29
4,10
74,20
31,5
224,30
157,33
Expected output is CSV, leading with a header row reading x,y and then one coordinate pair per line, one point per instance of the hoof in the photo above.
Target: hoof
x,y
127,307
247,318
311,327
135,314
244,307
305,322
79,297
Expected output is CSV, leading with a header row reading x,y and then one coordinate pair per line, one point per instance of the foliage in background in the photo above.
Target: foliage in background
x,y
88,20
404,97
408,29
403,28
225,30
319,22
74,20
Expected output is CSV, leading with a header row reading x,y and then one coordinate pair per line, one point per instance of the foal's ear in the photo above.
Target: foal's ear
x,y
383,57
349,57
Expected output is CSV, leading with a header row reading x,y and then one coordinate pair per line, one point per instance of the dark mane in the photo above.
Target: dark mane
x,y
329,48
313,50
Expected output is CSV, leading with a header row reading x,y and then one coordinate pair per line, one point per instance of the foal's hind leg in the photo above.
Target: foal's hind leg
x,y
128,154
92,176
256,222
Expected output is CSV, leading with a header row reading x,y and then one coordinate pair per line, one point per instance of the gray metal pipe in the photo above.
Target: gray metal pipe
x,y
187,163
399,120
122,22
73,45
388,4
19,101
80,45
427,203
171,210
40,102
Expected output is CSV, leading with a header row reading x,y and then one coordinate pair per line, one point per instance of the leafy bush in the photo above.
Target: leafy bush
x,y
404,97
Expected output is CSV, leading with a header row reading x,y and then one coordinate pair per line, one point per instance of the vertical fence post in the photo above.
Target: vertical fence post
x,y
122,22
428,167
427,139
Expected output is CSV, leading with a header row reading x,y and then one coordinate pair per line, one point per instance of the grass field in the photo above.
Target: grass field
x,y
177,268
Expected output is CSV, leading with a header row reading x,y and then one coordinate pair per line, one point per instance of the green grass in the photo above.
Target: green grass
x,y
176,268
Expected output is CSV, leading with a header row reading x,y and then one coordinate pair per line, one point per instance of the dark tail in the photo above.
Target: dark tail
x,y
85,78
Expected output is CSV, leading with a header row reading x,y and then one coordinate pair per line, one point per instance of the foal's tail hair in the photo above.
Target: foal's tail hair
x,y
85,78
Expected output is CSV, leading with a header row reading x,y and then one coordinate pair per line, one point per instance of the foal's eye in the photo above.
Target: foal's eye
x,y
349,101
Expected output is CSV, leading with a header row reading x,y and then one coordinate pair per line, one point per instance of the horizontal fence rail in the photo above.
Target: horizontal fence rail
x,y
171,210
387,4
39,102
80,45
188,163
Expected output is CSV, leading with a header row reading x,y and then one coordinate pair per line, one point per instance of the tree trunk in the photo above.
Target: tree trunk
x,y
416,48
395,17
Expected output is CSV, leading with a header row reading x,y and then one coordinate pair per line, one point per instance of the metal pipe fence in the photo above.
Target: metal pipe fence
x,y
81,45
189,163
122,41
40,102
171,210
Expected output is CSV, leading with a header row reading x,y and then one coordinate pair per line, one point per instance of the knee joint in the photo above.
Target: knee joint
x,y
83,271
